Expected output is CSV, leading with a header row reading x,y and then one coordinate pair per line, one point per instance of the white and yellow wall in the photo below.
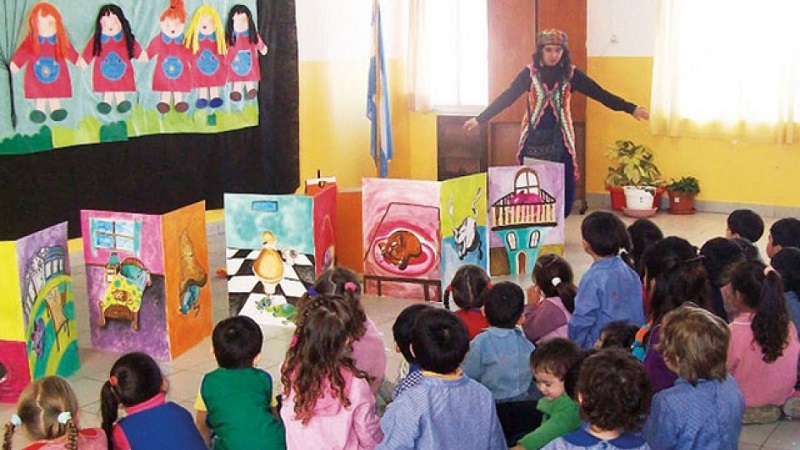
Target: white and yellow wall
x,y
334,47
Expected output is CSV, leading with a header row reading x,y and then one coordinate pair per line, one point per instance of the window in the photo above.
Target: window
x,y
727,69
511,240
526,182
533,241
115,234
448,55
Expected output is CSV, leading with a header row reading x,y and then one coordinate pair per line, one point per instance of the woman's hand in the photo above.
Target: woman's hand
x,y
470,125
641,113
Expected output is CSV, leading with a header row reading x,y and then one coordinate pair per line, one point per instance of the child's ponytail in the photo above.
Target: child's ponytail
x,y
72,435
11,426
109,407
554,277
566,292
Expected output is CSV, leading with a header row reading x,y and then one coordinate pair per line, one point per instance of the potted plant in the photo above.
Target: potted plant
x,y
634,167
681,195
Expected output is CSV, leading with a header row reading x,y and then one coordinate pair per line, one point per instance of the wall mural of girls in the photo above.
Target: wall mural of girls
x,y
205,38
45,50
243,41
114,46
172,75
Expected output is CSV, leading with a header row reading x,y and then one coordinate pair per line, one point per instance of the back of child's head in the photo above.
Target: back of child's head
x,y
787,263
403,326
761,290
749,249
785,232
605,234
618,334
614,391
719,256
644,233
319,351
344,283
556,357
694,343
237,342
504,304
134,379
47,409
553,275
439,341
674,274
745,223
467,287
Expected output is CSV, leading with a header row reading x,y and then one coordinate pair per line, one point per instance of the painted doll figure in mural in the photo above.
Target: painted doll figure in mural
x,y
243,42
114,46
46,49
547,131
172,75
205,38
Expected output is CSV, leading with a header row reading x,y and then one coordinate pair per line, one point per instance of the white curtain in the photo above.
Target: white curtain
x,y
418,61
727,69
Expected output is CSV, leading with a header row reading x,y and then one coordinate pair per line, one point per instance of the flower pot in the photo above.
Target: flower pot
x,y
618,197
680,203
639,197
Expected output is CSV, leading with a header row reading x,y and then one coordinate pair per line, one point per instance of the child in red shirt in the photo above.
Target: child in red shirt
x,y
467,289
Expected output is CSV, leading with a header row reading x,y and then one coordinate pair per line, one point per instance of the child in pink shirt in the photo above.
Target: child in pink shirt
x,y
551,299
467,288
764,349
327,400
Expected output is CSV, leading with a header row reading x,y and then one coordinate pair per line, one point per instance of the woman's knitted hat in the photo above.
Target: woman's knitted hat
x,y
551,37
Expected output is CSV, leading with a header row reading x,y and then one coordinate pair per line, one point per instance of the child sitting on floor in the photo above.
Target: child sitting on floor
x,y
401,330
617,334
551,299
783,233
467,288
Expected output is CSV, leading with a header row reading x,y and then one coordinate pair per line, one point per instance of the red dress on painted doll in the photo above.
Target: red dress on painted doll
x,y
113,70
47,75
208,69
173,67
243,59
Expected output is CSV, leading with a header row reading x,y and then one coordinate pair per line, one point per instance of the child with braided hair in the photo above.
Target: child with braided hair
x,y
48,412
327,401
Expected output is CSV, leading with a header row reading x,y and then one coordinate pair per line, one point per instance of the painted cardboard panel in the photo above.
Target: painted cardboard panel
x,y
12,325
465,238
526,215
349,230
188,284
271,260
325,228
402,237
14,371
125,282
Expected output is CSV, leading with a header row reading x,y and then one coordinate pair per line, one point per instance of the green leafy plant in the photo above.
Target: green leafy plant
x,y
635,166
685,185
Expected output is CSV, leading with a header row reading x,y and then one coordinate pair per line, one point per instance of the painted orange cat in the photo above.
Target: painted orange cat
x,y
400,247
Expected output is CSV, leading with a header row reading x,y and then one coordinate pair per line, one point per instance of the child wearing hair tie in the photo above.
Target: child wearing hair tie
x,y
467,289
551,299
48,411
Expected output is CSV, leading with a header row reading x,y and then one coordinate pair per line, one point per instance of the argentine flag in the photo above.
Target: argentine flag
x,y
378,110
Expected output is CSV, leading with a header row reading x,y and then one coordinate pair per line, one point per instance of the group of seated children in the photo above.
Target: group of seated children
x,y
654,337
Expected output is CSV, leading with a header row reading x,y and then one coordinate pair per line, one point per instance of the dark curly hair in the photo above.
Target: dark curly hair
x,y
560,72
615,391
763,293
556,357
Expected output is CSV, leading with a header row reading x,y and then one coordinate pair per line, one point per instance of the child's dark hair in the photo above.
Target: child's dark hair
x,y
553,275
644,233
403,326
134,379
746,223
504,304
574,372
614,390
749,249
343,283
230,36
720,255
694,342
606,234
319,352
237,341
764,294
618,334
555,356
678,275
105,10
786,232
467,287
787,263
439,341
41,409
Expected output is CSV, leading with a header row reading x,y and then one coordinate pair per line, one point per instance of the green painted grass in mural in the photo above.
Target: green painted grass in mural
x,y
22,144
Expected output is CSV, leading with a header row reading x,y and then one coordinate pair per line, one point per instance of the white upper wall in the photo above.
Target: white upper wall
x,y
341,29
621,27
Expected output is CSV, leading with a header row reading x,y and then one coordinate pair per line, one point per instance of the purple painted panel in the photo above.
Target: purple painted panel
x,y
150,246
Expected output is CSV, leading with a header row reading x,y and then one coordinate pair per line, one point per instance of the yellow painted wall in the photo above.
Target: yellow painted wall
x,y
12,327
727,171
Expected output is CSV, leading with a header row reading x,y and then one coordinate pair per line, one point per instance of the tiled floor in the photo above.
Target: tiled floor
x,y
185,371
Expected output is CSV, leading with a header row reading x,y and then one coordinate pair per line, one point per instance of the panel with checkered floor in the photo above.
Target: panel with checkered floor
x,y
246,294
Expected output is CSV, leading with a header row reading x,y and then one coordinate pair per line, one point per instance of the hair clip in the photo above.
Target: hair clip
x,y
293,342
555,281
350,286
113,381
489,285
449,288
769,269
312,292
64,417
16,420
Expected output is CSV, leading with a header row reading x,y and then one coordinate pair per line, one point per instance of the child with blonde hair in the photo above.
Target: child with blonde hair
x,y
327,401
48,412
